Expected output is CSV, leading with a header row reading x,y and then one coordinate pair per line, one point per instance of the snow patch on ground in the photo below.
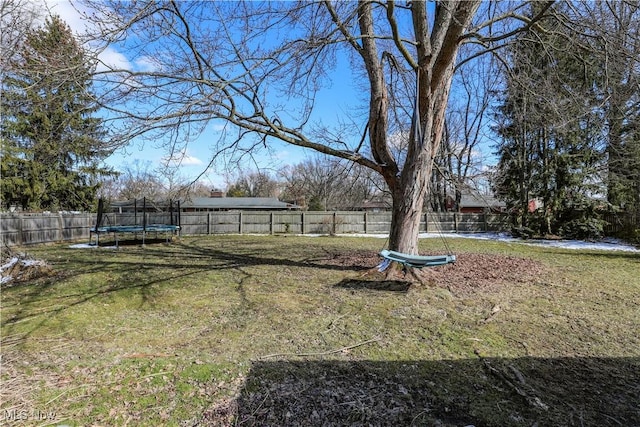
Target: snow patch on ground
x,y
20,267
6,267
90,246
607,244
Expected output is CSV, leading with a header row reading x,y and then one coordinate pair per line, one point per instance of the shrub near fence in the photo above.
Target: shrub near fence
x,y
24,229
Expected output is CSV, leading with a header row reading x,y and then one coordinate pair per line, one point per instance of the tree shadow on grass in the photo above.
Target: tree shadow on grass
x,y
480,392
374,285
142,271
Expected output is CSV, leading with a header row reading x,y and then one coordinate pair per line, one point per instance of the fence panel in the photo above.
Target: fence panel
x,y
350,222
194,223
40,229
257,222
617,223
470,223
318,222
26,229
11,230
17,229
444,222
378,222
287,222
496,222
77,226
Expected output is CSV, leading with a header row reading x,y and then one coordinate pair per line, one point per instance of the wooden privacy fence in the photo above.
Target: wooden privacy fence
x,y
620,223
26,229
23,229
277,222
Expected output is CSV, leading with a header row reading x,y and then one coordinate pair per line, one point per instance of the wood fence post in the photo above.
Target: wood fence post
x,y
271,223
365,222
209,223
302,225
60,227
241,224
335,226
20,229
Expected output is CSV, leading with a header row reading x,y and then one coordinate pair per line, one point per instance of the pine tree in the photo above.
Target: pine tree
x,y
549,129
52,144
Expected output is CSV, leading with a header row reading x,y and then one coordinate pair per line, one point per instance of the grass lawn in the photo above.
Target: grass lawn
x,y
275,330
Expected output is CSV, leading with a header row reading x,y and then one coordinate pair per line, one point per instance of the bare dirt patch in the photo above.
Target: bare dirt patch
x,y
472,272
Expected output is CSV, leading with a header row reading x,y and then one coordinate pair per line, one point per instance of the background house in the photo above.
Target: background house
x,y
203,204
212,204
476,203
373,206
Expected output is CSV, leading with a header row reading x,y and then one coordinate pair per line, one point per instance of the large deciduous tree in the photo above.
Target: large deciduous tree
x,y
614,28
328,183
17,18
253,184
259,66
51,143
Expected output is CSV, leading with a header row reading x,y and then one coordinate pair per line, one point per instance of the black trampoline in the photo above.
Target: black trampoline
x,y
144,229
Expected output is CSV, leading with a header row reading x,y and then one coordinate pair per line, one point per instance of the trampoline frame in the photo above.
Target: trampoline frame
x,y
168,229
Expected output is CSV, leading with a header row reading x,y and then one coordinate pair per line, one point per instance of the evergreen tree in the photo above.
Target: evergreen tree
x,y
550,132
52,146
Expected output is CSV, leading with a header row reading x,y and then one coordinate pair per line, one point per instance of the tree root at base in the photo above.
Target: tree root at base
x,y
400,273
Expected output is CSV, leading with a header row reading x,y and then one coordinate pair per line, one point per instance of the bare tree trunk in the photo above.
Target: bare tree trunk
x,y
434,68
405,218
409,191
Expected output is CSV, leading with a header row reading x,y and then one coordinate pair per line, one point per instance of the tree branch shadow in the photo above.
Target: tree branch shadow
x,y
374,285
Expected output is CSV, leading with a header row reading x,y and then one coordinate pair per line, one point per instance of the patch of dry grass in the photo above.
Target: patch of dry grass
x,y
285,331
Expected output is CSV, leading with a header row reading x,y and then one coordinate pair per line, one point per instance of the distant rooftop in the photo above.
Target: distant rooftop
x,y
480,200
252,203
210,203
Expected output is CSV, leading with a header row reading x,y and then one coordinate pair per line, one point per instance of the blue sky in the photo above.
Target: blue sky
x,y
195,159
331,104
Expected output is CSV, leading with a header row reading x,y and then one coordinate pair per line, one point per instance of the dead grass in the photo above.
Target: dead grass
x,y
241,330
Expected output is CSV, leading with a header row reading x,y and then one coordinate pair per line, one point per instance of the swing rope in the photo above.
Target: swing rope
x,y
442,237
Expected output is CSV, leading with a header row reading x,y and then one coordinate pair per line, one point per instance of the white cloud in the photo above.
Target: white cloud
x,y
112,59
282,155
182,158
146,63
189,160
